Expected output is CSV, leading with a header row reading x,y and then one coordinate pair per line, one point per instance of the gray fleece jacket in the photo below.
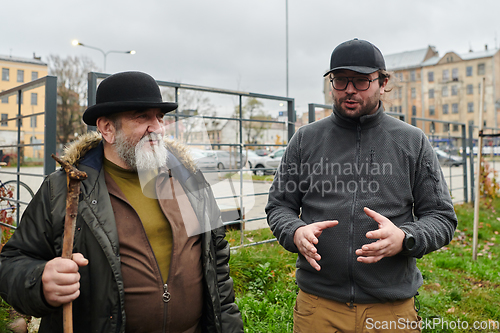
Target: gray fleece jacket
x,y
333,168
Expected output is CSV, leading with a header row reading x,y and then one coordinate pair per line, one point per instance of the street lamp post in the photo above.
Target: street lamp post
x,y
105,54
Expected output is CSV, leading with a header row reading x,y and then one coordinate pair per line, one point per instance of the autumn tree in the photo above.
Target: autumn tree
x,y
252,109
191,103
71,75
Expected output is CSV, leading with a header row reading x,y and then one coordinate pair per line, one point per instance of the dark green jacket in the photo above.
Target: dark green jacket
x,y
100,307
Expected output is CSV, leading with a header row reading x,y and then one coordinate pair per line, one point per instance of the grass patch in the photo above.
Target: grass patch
x,y
456,289
235,176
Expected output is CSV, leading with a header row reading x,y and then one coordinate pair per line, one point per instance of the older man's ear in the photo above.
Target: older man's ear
x,y
107,129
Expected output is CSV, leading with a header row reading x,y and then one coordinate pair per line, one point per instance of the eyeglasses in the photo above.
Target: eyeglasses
x,y
359,83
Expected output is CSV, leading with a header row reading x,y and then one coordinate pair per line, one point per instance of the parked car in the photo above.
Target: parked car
x,y
227,160
262,152
251,157
205,160
447,158
269,164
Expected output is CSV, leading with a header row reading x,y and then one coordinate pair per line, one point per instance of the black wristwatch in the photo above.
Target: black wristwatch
x,y
408,242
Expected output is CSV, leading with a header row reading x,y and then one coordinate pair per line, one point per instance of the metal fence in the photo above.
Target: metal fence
x,y
236,193
491,152
21,197
451,151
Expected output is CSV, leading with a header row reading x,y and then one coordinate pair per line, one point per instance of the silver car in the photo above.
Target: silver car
x,y
205,160
269,164
227,160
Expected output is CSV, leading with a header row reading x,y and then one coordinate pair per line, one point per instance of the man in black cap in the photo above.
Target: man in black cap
x,y
149,248
359,196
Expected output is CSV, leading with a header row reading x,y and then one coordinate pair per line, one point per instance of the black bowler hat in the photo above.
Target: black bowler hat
x,y
357,55
125,92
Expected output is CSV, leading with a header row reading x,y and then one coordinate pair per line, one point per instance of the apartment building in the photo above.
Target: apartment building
x,y
17,71
406,83
452,88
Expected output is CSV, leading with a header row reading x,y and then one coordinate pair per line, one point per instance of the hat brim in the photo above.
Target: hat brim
x,y
357,69
92,113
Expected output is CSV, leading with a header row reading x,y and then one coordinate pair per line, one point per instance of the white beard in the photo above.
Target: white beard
x,y
142,156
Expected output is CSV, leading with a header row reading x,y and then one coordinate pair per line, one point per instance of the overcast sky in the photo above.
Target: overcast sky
x,y
241,45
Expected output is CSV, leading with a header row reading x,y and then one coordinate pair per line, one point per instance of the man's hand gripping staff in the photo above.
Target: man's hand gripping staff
x,y
60,277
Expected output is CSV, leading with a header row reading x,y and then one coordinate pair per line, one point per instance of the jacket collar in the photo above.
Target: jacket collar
x,y
367,121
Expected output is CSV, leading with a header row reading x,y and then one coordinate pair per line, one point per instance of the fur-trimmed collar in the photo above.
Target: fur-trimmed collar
x,y
77,149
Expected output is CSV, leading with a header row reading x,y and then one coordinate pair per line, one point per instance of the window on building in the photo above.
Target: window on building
x,y
446,75
5,74
5,99
455,128
4,118
468,71
20,75
400,93
413,93
34,99
432,110
430,76
413,76
454,108
431,93
479,89
33,121
454,74
446,127
454,90
470,89
444,92
445,108
400,109
470,107
480,69
34,76
413,110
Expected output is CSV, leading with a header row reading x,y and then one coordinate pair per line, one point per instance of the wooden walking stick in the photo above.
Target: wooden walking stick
x,y
74,177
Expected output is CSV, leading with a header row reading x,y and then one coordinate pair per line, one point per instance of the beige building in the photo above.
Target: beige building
x,y
446,88
406,83
17,71
452,88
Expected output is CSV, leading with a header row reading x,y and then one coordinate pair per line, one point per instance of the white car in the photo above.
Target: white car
x,y
205,160
251,157
227,160
270,163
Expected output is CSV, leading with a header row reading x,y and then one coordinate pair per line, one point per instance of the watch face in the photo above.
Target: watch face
x,y
410,242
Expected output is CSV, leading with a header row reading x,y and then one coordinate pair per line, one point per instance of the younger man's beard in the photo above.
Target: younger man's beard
x,y
142,155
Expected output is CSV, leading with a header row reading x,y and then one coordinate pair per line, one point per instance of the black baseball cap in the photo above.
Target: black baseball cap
x,y
357,55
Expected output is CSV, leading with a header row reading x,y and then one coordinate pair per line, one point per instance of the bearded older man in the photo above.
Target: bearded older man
x,y
149,253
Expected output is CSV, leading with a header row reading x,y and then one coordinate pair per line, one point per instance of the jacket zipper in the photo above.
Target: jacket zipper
x,y
166,293
166,299
351,228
